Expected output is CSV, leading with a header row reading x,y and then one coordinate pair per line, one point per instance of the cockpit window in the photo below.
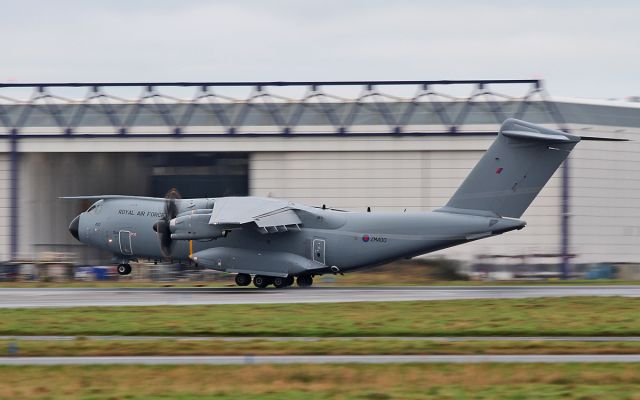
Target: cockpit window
x,y
95,207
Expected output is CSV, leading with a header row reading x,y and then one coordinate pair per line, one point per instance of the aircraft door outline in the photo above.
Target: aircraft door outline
x,y
319,250
124,238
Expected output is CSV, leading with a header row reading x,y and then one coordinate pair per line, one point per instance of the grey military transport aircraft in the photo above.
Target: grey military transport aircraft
x,y
277,241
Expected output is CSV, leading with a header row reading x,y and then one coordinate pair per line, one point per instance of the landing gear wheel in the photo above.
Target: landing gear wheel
x,y
280,282
305,280
124,269
243,279
261,281
289,280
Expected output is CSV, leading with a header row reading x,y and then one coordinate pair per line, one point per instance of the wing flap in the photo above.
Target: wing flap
x,y
282,218
269,215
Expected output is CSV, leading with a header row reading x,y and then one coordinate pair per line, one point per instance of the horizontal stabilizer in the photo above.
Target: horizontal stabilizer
x,y
603,139
527,131
526,135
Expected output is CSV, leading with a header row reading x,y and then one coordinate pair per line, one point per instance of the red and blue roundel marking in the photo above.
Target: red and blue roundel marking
x,y
365,238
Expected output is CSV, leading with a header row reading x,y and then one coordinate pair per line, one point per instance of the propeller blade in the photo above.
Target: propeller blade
x,y
164,237
170,206
162,226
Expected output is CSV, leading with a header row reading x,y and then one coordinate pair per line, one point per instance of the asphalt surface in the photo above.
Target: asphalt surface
x,y
76,297
372,359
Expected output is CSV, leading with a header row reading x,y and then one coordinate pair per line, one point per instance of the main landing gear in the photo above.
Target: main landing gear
x,y
124,269
262,281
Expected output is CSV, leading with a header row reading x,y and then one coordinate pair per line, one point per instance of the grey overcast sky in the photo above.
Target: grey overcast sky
x,y
581,48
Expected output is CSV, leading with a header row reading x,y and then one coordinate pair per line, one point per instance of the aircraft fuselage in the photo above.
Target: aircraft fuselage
x,y
328,238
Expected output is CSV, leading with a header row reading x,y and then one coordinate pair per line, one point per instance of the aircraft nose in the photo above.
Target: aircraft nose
x,y
73,227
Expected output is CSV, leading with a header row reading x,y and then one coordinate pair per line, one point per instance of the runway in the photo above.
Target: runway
x,y
82,297
369,359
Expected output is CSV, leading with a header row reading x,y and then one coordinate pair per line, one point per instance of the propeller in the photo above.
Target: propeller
x,y
161,227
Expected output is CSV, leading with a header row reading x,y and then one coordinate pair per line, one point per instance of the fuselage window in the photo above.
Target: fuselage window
x,y
95,206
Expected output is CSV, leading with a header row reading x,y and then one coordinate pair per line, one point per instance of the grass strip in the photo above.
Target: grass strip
x,y
577,316
87,347
311,382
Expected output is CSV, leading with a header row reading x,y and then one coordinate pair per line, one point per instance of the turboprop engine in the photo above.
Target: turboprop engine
x,y
194,225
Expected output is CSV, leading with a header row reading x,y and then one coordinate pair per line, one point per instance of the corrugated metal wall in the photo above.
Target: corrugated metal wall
x,y
5,210
44,177
605,198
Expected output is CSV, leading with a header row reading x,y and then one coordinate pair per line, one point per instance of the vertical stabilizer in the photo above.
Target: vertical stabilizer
x,y
512,172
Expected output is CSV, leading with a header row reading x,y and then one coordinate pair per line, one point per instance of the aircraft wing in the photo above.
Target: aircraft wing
x,y
108,196
269,215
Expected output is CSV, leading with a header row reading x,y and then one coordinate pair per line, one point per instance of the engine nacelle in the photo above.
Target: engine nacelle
x,y
195,226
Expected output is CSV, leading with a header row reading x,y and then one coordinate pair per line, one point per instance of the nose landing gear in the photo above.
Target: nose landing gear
x,y
124,269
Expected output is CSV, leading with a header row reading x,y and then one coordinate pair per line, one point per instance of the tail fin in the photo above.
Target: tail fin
x,y
513,171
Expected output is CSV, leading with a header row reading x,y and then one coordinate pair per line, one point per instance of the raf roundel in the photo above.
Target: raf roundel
x,y
365,238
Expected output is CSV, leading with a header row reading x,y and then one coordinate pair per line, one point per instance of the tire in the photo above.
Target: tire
x,y
243,279
280,282
305,280
261,281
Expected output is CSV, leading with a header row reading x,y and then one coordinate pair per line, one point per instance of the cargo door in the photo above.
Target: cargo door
x,y
125,242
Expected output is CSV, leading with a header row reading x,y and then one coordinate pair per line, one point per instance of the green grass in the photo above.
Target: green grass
x,y
167,347
311,382
583,316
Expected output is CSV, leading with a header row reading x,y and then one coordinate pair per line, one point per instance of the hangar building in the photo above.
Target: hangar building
x,y
388,145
